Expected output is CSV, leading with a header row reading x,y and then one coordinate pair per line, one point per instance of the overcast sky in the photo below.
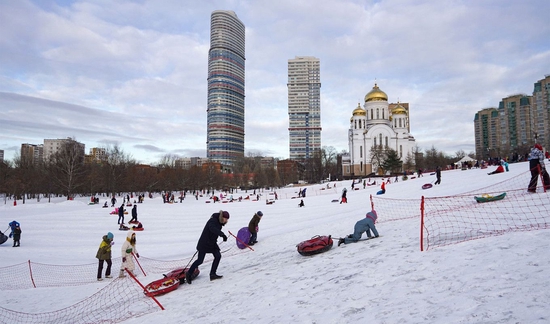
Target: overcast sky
x,y
134,72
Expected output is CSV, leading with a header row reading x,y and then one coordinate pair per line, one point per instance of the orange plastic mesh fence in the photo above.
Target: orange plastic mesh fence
x,y
459,218
122,299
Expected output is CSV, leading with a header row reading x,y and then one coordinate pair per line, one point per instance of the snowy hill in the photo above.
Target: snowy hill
x,y
500,279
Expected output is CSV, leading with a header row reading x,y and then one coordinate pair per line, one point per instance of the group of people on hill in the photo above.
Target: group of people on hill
x,y
128,251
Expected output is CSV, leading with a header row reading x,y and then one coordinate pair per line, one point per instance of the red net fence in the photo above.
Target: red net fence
x,y
454,219
121,299
459,218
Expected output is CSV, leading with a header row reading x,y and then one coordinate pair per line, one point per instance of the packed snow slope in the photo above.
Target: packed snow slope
x,y
500,279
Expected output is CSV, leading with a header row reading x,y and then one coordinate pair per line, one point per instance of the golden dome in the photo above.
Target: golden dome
x,y
359,111
399,110
376,95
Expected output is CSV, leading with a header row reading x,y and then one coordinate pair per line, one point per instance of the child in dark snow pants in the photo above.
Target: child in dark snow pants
x,y
364,225
16,236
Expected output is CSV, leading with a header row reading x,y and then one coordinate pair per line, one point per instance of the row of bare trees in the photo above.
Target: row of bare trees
x,y
66,174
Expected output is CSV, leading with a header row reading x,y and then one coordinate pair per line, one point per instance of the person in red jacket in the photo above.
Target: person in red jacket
x,y
499,169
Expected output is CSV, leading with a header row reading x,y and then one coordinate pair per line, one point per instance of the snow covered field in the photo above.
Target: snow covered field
x,y
500,279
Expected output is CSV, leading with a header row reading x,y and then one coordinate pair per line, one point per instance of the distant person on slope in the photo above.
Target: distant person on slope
x,y
364,225
499,169
438,175
208,243
134,215
344,196
536,161
121,214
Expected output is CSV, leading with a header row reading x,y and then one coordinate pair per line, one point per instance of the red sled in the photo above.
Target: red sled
x,y
170,282
317,244
427,186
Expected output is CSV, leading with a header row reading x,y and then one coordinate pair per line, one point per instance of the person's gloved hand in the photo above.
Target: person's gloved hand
x,y
112,243
137,254
11,234
123,259
224,237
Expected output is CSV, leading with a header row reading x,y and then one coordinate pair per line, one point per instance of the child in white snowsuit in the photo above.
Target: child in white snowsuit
x,y
364,225
128,247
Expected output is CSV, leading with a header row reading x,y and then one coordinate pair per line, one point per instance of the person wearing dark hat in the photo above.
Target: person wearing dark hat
x,y
253,227
208,243
104,255
537,167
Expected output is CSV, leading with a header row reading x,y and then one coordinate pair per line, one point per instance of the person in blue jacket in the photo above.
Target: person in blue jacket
x,y
364,225
208,243
13,225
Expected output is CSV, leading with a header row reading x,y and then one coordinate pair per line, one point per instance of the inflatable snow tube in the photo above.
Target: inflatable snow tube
x,y
380,192
3,238
243,238
170,282
315,245
427,186
138,229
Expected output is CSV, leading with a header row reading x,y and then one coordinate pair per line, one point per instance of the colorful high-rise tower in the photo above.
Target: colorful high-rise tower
x,y
304,107
225,113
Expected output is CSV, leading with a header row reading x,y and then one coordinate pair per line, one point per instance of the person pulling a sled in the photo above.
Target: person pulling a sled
x,y
364,225
104,255
536,161
208,243
16,236
253,227
128,248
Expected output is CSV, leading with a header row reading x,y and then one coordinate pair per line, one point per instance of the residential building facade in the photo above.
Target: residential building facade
x,y
304,107
33,153
52,146
519,121
226,88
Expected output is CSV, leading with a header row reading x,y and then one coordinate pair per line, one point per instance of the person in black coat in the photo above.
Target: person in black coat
x,y
121,214
208,243
438,175
134,215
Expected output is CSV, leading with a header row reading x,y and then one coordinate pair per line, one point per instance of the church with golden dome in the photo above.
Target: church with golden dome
x,y
377,123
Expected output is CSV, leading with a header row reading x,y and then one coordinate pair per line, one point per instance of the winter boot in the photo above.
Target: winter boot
x,y
108,276
99,279
188,278
215,277
340,241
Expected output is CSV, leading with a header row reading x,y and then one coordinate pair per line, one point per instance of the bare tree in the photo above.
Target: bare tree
x,y
68,167
117,164
377,156
460,154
